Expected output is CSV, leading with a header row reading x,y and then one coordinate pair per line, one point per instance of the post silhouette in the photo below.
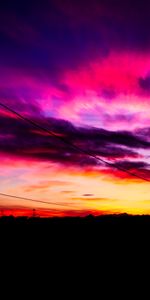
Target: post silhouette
x,y
34,213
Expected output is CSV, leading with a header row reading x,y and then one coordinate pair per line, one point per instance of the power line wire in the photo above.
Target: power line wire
x,y
51,133
33,200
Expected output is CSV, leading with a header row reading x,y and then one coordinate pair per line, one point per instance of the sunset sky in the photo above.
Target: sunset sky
x,y
80,69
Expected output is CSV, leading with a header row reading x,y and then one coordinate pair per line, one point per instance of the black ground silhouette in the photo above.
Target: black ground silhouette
x,y
98,227
108,239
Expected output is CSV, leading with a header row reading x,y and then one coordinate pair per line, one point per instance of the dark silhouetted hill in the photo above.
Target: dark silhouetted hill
x,y
100,226
98,240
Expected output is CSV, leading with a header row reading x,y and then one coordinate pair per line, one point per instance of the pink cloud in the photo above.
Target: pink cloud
x,y
88,94
116,71
107,86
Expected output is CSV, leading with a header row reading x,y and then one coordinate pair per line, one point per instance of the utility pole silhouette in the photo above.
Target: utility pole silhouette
x,y
34,213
